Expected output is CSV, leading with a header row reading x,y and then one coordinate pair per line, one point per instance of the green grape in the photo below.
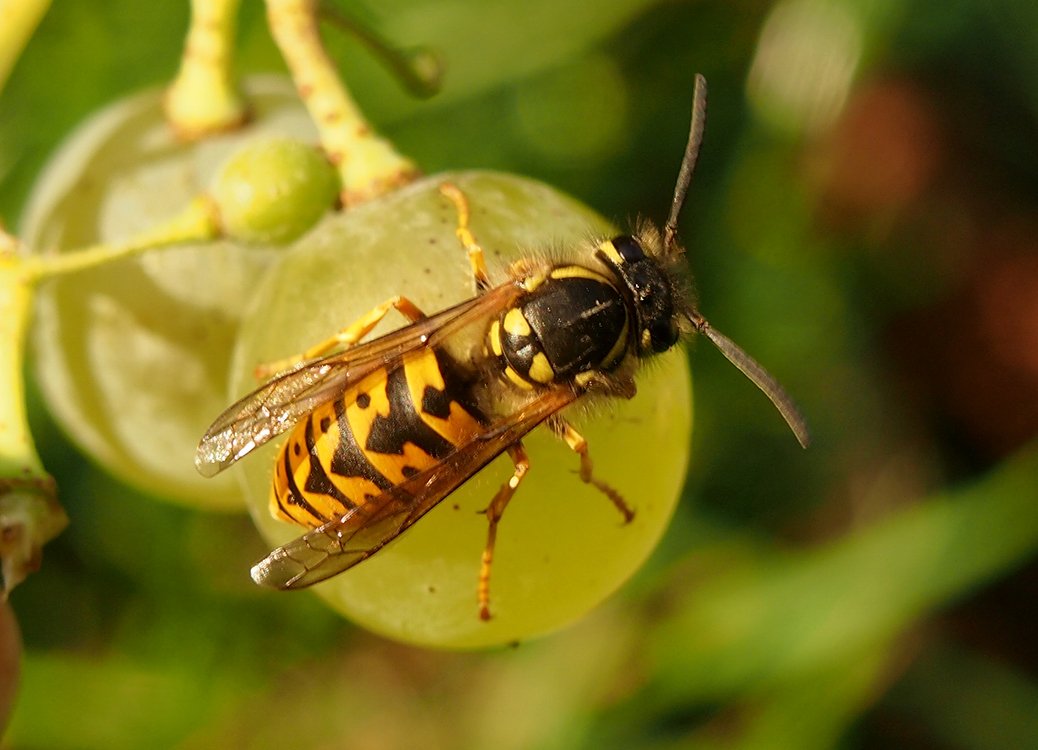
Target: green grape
x,y
273,190
132,357
562,546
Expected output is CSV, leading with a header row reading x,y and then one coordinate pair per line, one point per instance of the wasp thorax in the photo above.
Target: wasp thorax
x,y
575,321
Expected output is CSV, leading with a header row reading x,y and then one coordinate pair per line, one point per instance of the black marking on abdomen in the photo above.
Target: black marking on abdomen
x,y
295,497
317,480
349,460
436,403
404,424
457,388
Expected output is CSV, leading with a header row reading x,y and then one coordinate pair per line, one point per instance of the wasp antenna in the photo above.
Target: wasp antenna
x,y
760,377
688,162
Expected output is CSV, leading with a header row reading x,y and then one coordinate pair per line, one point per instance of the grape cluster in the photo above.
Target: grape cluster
x,y
138,357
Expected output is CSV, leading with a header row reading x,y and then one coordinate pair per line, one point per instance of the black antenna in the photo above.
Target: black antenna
x,y
688,162
732,352
760,377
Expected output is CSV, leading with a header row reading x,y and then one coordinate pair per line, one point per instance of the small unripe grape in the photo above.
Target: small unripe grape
x,y
132,357
562,546
271,191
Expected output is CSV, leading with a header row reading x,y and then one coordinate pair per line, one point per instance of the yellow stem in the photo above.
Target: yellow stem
x,y
367,164
30,515
29,512
18,19
199,221
204,97
18,458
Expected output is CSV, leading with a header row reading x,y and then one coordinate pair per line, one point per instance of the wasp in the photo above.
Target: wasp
x,y
383,430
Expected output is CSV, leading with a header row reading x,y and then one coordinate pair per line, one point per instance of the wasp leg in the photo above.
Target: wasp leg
x,y
494,512
578,444
345,338
476,258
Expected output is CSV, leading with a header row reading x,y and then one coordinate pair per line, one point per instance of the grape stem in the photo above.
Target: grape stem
x,y
204,97
367,164
30,515
18,20
29,512
198,222
419,69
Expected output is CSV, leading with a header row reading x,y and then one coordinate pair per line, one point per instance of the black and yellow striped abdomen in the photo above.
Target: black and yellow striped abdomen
x,y
391,425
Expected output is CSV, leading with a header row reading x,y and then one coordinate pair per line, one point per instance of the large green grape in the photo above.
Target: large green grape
x,y
562,546
132,357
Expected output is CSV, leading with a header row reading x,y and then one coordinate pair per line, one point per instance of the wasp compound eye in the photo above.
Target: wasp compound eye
x,y
628,248
664,335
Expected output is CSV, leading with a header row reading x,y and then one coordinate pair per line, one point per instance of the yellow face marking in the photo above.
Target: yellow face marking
x,y
540,369
515,323
494,337
608,249
578,272
517,379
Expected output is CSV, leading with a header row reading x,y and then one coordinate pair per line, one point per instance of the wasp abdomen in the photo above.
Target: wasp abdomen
x,y
393,424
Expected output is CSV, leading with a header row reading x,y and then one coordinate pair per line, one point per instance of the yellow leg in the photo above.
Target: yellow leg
x,y
578,444
476,258
345,338
494,512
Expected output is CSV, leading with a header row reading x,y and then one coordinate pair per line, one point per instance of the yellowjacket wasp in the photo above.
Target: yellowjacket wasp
x,y
384,430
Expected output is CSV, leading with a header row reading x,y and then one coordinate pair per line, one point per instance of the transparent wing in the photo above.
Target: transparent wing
x,y
356,536
278,404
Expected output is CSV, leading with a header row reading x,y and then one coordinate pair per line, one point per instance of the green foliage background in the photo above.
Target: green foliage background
x,y
877,590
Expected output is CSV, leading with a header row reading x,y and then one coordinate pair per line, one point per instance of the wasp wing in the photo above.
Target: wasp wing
x,y
278,404
360,533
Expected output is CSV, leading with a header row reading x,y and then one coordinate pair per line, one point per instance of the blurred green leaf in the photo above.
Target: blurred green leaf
x,y
793,613
108,702
968,700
